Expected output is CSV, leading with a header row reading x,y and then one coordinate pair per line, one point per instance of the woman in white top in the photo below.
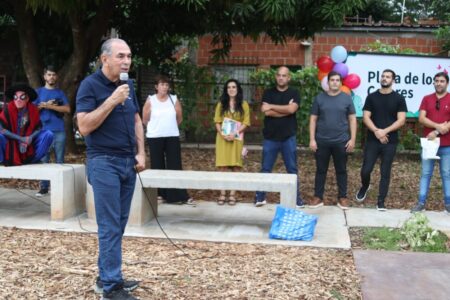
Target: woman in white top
x,y
162,113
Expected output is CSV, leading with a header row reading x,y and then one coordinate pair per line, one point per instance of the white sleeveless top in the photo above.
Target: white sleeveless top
x,y
163,118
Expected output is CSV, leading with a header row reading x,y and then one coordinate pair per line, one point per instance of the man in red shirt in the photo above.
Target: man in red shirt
x,y
435,116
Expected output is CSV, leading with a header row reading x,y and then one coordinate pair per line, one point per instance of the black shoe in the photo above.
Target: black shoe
x,y
128,285
381,207
118,294
42,192
362,193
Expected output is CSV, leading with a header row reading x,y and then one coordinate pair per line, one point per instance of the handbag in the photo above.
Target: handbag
x,y
291,224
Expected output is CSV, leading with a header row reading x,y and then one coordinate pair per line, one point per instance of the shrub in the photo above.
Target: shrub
x,y
417,232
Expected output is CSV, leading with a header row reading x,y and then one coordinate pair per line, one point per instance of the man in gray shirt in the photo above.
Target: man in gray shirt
x,y
332,132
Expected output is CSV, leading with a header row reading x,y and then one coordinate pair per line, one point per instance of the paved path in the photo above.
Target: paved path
x,y
403,275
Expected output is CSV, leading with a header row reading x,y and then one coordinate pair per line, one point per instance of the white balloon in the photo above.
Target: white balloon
x,y
324,84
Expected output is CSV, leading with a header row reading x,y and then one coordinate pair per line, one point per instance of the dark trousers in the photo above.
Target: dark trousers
x,y
373,150
165,154
322,155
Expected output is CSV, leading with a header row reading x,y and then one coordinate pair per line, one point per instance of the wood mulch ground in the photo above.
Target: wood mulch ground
x,y
59,265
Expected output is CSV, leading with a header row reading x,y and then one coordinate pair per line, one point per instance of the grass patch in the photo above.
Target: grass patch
x,y
383,238
391,239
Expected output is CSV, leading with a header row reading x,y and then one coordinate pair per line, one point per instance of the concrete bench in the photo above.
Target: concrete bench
x,y
141,212
67,183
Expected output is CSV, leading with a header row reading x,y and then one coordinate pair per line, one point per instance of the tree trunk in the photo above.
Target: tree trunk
x,y
32,63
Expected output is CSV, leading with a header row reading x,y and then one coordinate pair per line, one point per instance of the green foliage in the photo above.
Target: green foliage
x,y
417,232
195,86
379,47
414,234
443,35
409,141
306,82
384,238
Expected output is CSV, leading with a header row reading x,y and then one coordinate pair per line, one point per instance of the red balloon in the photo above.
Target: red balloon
x,y
346,90
352,81
321,75
325,64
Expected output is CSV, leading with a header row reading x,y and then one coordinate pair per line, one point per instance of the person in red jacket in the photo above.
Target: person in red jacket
x,y
22,140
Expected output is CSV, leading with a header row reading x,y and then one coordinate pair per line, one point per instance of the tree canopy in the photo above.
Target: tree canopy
x,y
68,33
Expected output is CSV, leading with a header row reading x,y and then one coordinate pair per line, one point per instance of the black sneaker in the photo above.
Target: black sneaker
x,y
300,203
260,203
118,294
381,207
419,207
362,194
128,285
42,192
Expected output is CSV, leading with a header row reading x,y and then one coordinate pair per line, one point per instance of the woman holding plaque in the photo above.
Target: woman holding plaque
x,y
232,117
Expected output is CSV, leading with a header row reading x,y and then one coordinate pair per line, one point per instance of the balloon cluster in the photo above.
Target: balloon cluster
x,y
336,63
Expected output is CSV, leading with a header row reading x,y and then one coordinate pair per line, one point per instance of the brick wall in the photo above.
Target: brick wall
x,y
264,53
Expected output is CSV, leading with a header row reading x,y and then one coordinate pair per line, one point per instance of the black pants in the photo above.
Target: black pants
x,y
323,154
165,154
373,150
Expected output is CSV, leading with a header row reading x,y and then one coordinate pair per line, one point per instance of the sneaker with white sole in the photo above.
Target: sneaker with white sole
x,y
381,207
260,203
362,194
42,193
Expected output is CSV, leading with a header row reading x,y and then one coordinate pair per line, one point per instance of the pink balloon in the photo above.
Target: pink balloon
x,y
324,84
341,68
352,81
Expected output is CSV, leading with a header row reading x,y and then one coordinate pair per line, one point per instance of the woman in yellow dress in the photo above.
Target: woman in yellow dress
x,y
229,146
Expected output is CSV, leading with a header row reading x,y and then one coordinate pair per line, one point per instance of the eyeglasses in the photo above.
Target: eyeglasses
x,y
438,104
21,97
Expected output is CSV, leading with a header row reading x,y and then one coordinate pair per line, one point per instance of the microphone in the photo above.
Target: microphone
x,y
123,77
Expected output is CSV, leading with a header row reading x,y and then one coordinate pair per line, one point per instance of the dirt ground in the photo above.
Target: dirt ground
x,y
58,265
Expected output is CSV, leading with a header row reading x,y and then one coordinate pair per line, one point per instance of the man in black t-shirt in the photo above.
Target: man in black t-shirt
x,y
279,105
384,112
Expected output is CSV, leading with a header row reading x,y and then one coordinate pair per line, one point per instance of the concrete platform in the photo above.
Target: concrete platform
x,y
403,275
242,223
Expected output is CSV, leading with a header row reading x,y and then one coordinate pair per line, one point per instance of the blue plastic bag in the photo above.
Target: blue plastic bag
x,y
291,224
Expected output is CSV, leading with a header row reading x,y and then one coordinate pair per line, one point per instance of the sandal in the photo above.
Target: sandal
x,y
221,200
231,200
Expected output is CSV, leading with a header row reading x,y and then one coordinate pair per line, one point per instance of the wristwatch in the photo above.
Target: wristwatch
x,y
436,132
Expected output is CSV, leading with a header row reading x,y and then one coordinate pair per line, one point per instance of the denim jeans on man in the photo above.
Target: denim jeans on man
x,y
58,147
427,173
372,150
322,155
113,179
288,149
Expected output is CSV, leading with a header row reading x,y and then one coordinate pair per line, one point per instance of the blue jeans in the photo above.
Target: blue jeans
x,y
41,144
58,146
288,149
112,179
427,173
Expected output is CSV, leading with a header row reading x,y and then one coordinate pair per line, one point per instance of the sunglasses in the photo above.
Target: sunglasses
x,y
438,104
21,97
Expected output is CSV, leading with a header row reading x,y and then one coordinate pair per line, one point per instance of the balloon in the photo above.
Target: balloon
x,y
324,84
352,81
321,75
338,54
341,68
325,64
346,90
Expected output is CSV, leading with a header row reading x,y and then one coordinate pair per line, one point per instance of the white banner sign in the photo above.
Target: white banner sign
x,y
414,76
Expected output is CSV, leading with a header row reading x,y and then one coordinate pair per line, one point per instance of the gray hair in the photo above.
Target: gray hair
x,y
107,46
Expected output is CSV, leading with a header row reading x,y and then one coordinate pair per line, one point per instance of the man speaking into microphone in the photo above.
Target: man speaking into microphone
x,y
108,118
